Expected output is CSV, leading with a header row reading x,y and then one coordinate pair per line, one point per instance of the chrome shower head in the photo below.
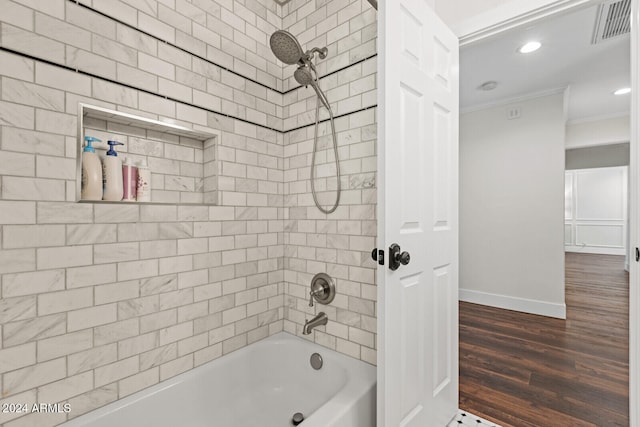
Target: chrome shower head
x,y
286,47
304,77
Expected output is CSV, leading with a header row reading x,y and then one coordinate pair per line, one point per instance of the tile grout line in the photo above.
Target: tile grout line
x,y
334,72
66,67
280,92
107,79
171,44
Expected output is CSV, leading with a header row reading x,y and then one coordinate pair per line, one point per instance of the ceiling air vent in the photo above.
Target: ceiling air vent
x,y
614,19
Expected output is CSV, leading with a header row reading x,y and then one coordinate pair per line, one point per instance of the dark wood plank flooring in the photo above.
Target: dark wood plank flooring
x,y
519,369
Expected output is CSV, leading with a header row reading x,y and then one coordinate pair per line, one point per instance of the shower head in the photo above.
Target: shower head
x,y
304,77
288,50
286,47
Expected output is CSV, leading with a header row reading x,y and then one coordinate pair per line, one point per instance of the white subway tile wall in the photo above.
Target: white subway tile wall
x,y
339,244
100,301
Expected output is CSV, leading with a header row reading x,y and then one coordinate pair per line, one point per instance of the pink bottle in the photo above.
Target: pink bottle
x,y
129,181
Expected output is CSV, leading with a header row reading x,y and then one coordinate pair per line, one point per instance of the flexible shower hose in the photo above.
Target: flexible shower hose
x,y
313,157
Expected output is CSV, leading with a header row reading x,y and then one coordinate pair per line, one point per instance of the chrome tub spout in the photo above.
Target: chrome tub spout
x,y
320,319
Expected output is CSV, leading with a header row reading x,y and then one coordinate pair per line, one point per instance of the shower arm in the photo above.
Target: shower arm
x,y
322,53
314,69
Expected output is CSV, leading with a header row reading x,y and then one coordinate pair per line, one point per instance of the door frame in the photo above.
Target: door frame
x,y
634,223
509,16
427,54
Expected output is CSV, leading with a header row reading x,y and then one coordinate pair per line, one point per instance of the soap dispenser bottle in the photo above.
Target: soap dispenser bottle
x,y
112,172
91,172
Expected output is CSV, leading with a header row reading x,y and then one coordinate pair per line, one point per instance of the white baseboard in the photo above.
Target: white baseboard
x,y
595,250
524,305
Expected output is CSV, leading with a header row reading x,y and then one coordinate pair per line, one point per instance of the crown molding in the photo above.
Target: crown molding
x,y
514,100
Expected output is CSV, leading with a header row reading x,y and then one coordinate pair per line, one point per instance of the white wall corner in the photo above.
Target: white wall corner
x,y
524,305
565,107
504,204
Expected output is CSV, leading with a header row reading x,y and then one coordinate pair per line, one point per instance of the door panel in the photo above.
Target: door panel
x,y
441,345
412,346
442,167
418,209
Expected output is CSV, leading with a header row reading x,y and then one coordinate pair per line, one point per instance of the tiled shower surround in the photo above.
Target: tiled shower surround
x,y
99,301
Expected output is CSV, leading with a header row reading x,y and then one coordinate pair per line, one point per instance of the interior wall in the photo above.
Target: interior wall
x,y
597,157
589,133
99,301
511,207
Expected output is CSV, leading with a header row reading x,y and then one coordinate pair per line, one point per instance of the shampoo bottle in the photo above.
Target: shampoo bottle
x,y
129,181
112,174
143,190
91,172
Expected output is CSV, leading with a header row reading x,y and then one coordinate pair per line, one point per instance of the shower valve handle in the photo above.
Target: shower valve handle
x,y
323,289
314,294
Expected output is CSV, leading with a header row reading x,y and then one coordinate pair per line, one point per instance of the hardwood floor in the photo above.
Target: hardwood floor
x,y
519,369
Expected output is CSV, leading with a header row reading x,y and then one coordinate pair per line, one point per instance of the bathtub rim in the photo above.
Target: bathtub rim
x,y
361,379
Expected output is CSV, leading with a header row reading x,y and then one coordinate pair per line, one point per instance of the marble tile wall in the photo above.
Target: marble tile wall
x,y
100,301
349,30
339,244
179,49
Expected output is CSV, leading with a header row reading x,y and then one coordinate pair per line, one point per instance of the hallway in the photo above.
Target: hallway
x,y
518,369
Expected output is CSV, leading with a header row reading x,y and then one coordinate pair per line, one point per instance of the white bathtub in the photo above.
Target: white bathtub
x,y
262,385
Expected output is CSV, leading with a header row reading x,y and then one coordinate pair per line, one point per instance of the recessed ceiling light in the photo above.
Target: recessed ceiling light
x,y
487,86
530,47
623,91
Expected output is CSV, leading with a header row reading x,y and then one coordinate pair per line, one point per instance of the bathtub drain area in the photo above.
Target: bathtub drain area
x,y
297,418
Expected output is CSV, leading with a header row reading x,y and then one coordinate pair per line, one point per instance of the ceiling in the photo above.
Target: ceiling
x,y
566,58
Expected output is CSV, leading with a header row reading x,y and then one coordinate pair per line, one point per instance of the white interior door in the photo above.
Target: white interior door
x,y
418,209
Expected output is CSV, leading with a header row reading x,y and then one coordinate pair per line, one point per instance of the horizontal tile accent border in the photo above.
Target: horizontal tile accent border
x,y
66,67
209,61
334,72
171,44
335,118
106,79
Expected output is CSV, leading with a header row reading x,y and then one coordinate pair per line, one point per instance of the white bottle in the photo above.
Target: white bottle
x,y
112,174
91,172
143,191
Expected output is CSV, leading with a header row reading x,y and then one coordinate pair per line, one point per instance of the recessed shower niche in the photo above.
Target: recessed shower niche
x,y
182,161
